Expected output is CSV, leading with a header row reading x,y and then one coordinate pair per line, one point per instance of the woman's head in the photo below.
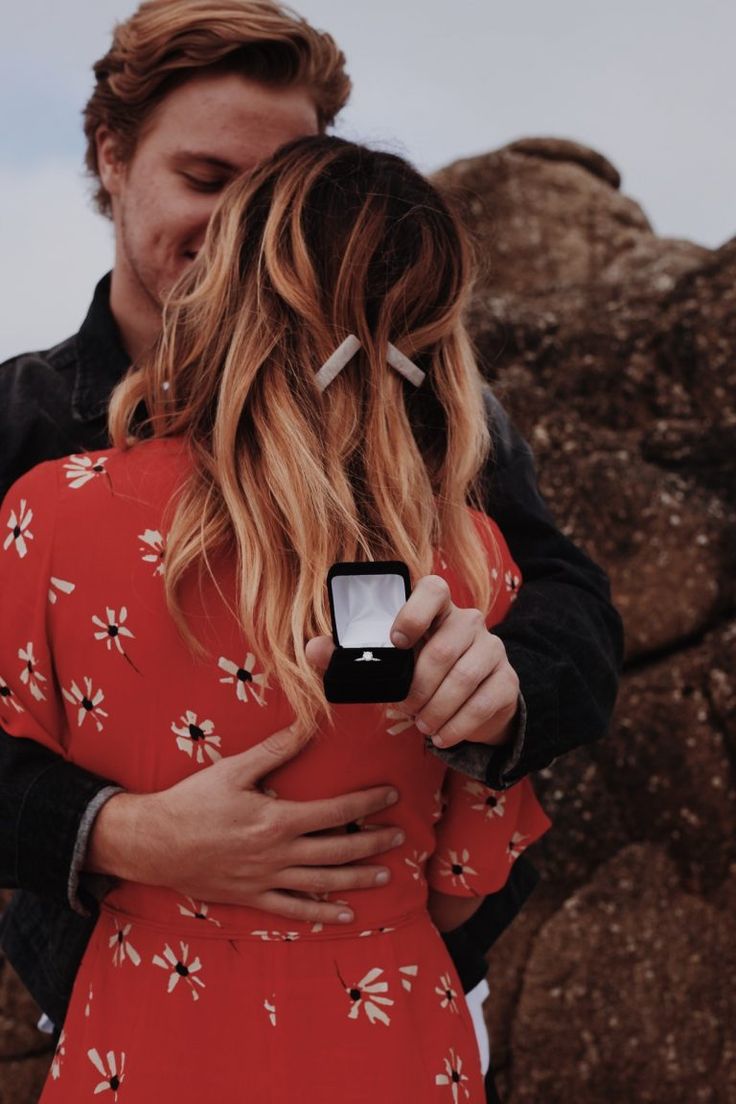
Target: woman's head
x,y
326,239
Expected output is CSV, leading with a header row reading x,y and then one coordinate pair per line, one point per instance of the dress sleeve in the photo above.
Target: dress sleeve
x,y
31,705
481,834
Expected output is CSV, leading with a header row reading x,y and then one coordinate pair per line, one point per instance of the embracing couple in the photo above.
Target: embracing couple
x,y
227,884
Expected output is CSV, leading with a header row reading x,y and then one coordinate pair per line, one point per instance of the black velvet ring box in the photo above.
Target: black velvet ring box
x,y
364,601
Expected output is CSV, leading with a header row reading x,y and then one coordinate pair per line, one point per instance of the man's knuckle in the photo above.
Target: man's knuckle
x,y
438,585
442,652
475,618
468,675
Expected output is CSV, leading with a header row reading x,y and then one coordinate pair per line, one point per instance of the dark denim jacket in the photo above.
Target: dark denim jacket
x,y
562,636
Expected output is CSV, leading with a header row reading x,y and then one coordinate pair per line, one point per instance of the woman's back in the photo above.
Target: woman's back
x,y
181,997
140,707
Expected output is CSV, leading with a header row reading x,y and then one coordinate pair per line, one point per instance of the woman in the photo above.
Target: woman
x,y
312,399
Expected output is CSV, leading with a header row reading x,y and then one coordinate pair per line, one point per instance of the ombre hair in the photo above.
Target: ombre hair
x,y
325,239
167,42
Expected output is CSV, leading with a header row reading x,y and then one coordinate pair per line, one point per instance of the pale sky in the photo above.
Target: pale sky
x,y
649,83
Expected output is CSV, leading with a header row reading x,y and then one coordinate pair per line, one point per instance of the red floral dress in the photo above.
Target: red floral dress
x,y
180,1000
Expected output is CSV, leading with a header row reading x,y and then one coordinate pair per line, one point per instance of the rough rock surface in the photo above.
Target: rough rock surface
x,y
615,351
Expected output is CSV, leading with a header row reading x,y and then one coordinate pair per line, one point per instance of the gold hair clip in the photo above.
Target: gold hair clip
x,y
347,350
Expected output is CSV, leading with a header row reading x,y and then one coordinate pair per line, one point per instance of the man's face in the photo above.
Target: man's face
x,y
202,134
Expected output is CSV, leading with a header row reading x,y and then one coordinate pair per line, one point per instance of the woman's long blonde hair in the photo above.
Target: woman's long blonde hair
x,y
327,238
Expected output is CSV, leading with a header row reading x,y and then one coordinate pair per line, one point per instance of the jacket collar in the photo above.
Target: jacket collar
x,y
101,359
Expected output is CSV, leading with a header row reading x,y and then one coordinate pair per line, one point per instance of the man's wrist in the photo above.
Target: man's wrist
x,y
113,841
487,763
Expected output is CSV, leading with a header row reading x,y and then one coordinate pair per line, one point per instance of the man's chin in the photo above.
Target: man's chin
x,y
166,287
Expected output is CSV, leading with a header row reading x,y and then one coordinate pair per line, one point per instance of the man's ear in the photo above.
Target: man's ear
x,y
109,164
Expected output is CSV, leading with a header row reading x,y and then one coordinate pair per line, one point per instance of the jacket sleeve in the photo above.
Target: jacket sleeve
x,y
562,635
481,834
48,803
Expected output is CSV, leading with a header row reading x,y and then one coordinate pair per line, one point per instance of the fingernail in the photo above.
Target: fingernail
x,y
423,727
382,878
399,639
345,917
438,741
392,797
398,839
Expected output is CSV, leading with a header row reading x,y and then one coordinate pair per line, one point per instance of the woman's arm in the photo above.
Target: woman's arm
x,y
449,912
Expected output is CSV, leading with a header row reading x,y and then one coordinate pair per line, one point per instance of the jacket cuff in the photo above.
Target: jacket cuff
x,y
84,885
488,763
48,826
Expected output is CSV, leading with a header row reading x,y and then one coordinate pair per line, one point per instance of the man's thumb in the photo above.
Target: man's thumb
x,y
276,749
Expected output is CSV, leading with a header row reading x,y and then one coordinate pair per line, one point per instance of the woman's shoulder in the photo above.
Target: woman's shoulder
x,y
82,485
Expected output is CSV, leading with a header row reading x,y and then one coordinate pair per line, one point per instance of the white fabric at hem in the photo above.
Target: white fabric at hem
x,y
475,999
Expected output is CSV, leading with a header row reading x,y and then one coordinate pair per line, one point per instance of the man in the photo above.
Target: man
x,y
190,95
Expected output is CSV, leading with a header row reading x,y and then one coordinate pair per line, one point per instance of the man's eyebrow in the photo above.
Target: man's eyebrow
x,y
188,156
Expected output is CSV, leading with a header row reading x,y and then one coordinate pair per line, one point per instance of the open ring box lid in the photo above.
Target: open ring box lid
x,y
364,601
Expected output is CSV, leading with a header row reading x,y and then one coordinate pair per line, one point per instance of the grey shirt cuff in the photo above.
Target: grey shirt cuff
x,y
472,759
96,885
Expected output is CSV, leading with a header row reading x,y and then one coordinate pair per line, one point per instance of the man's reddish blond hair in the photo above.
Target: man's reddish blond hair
x,y
166,42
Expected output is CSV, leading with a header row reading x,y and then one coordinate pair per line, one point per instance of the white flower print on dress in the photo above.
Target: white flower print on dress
x,y
88,702
80,469
88,1005
456,868
513,582
270,1006
19,532
407,974
366,995
191,734
59,1055
285,937
7,695
318,926
30,676
492,803
62,586
375,931
154,550
416,865
401,721
244,678
515,846
447,994
198,911
453,1076
111,1078
180,968
113,628
439,805
119,940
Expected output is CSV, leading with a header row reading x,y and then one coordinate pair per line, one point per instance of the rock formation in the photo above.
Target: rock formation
x,y
615,352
